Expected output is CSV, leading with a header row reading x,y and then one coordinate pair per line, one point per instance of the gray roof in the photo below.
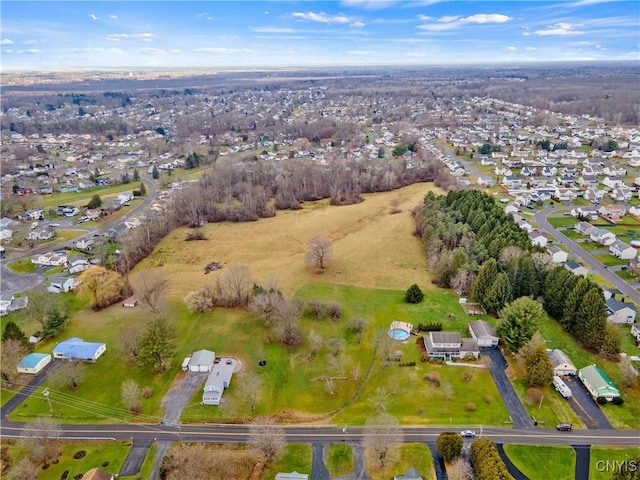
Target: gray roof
x,y
445,337
616,305
202,357
482,328
558,357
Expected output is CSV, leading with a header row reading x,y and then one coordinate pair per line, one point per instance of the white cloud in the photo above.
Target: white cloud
x,y
512,49
8,50
205,15
370,4
31,42
560,28
449,22
113,17
175,50
424,18
273,30
321,17
93,17
221,50
30,51
584,3
358,24
6,41
531,49
143,37
266,12
359,53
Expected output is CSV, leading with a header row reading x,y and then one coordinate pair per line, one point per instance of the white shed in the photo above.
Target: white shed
x,y
34,363
562,364
202,361
484,333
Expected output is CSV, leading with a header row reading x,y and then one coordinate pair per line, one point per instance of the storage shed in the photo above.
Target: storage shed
x,y
562,364
34,363
484,332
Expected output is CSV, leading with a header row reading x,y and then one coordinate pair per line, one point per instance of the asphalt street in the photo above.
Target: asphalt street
x,y
584,406
541,218
512,469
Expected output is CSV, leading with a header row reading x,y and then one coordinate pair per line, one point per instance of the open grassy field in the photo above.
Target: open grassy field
x,y
563,221
411,455
606,460
339,459
539,462
297,457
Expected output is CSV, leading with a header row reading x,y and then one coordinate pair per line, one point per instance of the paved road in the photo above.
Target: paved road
x,y
588,410
583,456
12,283
438,462
318,468
541,218
497,367
513,470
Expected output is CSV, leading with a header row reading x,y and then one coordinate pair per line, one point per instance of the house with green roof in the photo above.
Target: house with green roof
x,y
597,383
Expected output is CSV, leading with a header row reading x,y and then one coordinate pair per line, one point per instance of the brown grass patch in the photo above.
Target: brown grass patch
x,y
370,248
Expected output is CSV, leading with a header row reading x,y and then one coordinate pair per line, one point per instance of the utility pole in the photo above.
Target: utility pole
x,y
46,395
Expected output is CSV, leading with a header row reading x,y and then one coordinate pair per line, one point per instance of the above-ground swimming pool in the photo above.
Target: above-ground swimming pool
x,y
398,334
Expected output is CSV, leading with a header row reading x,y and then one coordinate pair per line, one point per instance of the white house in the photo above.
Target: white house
x,y
562,364
603,237
613,181
585,212
202,361
77,263
53,259
450,345
85,243
576,268
557,254
538,239
597,383
584,228
62,284
620,312
484,333
218,380
622,250
34,363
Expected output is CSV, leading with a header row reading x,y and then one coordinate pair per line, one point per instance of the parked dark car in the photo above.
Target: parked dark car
x,y
564,427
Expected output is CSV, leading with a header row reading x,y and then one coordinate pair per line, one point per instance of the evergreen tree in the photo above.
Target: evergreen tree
x,y
499,295
558,285
155,173
13,332
593,315
414,294
142,189
518,322
157,345
611,341
486,276
449,444
538,368
136,175
570,320
95,202
56,320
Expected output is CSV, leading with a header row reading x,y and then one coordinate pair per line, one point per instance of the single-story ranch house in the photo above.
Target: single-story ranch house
x,y
620,312
562,364
217,381
78,349
597,383
450,345
34,363
484,333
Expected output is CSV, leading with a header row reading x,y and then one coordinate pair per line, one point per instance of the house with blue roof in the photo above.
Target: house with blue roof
x,y
34,363
78,349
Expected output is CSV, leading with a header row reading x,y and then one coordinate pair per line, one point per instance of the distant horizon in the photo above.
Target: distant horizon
x,y
61,35
311,67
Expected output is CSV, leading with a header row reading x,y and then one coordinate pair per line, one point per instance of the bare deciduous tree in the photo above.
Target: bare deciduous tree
x,y
268,438
267,306
629,374
70,374
129,340
380,400
202,300
42,440
250,386
234,286
199,462
315,343
25,469
382,438
319,252
131,393
460,469
11,353
152,286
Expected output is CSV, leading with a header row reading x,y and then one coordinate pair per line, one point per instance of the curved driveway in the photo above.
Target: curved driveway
x,y
541,219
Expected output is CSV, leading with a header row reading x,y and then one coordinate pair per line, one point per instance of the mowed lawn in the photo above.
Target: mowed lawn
x,y
540,462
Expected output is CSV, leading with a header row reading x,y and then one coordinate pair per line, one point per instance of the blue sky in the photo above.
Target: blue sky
x,y
42,35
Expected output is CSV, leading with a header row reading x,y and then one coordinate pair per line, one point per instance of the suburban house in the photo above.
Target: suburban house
x,y
538,239
585,228
5,303
597,383
512,181
77,263
576,268
450,345
585,212
557,254
202,361
40,234
603,237
410,474
52,259
292,476
612,211
34,363
62,284
484,333
85,244
77,349
622,250
97,474
620,312
562,364
217,381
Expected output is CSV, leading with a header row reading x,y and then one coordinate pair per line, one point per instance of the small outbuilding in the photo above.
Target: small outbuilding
x,y
484,333
78,349
34,363
562,364
202,361
291,476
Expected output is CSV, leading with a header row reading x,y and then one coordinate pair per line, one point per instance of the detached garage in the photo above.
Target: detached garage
x,y
34,363
484,333
202,361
